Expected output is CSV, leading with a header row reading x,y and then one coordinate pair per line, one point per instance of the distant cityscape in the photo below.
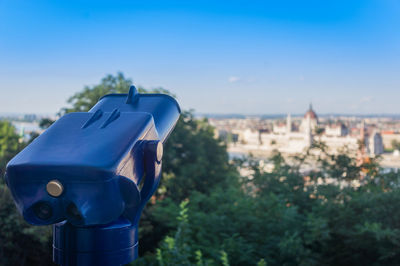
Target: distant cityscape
x,y
26,125
361,136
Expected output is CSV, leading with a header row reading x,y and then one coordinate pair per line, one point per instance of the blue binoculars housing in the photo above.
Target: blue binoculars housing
x,y
91,173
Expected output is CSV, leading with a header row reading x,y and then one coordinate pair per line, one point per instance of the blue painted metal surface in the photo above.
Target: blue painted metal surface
x,y
99,158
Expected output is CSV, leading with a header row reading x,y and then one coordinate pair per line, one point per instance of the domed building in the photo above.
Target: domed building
x,y
310,112
290,138
312,116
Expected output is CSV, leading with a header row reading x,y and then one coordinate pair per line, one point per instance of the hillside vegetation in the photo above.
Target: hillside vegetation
x,y
205,213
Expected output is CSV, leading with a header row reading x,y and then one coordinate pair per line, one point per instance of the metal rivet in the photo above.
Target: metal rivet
x,y
54,188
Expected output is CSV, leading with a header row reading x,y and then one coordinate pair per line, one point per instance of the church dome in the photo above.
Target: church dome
x,y
311,114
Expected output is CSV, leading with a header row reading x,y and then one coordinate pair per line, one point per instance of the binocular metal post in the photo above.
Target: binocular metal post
x,y
115,243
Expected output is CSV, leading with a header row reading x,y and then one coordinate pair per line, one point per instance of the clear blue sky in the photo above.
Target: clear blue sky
x,y
216,56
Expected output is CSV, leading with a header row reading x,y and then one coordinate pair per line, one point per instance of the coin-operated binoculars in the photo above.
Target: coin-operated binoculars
x,y
90,175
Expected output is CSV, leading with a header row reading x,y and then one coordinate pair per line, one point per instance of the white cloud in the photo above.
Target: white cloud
x,y
366,99
290,100
233,79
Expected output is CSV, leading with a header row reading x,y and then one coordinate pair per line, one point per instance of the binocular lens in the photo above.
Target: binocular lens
x,y
43,210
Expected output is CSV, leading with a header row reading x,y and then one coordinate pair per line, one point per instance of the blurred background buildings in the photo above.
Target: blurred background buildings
x,y
358,136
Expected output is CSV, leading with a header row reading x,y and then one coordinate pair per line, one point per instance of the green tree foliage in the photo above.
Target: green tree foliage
x,y
396,144
193,160
176,251
84,100
20,243
45,123
9,144
286,217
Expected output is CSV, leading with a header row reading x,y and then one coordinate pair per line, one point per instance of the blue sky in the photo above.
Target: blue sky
x,y
252,57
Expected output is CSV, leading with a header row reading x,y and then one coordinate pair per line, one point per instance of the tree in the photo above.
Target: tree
x,y
20,243
286,217
194,160
45,123
396,144
84,100
9,144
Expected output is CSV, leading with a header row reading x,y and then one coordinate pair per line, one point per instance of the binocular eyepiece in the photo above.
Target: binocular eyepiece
x,y
91,173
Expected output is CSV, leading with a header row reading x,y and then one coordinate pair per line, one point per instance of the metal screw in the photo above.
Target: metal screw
x,y
54,188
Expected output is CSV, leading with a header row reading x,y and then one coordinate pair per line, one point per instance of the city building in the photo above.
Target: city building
x,y
290,138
